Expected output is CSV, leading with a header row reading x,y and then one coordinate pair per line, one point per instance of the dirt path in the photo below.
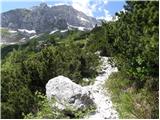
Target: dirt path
x,y
105,109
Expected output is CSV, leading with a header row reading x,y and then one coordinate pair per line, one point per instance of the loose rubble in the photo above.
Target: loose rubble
x,y
103,102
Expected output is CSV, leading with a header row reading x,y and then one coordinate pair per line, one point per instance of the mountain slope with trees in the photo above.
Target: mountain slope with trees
x,y
131,42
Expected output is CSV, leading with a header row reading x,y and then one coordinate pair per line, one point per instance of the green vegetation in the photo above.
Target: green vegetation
x,y
130,102
26,68
5,49
70,61
47,111
132,44
44,109
134,51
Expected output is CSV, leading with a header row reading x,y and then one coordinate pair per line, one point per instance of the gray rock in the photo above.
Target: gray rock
x,y
67,92
45,19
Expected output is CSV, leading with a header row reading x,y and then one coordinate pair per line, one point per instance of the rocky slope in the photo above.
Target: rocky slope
x,y
43,18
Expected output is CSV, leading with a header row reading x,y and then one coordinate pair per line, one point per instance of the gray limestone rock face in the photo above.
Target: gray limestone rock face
x,y
67,92
43,18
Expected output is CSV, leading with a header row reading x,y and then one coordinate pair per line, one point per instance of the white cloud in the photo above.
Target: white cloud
x,y
57,4
90,6
105,1
83,6
100,9
107,16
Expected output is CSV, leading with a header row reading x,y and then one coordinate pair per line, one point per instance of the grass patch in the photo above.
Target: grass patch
x,y
129,102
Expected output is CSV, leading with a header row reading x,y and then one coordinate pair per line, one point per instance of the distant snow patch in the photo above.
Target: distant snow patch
x,y
59,4
28,31
83,19
12,31
81,28
11,43
22,40
52,32
34,36
62,31
78,27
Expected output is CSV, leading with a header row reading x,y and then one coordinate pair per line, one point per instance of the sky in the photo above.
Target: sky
x,y
100,9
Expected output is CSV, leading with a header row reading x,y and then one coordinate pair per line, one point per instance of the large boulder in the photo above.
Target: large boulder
x,y
67,92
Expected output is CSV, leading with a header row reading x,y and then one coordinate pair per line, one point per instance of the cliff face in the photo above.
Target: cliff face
x,y
44,18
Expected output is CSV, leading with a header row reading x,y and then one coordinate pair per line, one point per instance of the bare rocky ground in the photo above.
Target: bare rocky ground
x,y
105,109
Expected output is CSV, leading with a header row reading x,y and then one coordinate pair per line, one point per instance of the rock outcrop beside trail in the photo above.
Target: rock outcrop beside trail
x,y
67,92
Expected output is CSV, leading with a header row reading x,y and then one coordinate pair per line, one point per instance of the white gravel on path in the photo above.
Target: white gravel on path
x,y
103,102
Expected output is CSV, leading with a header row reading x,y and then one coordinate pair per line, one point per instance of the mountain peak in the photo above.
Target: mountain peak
x,y
43,4
43,18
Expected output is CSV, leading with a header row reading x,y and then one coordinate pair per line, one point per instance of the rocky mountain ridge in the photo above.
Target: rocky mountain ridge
x,y
43,18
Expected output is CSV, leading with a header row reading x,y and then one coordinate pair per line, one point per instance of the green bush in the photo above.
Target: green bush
x,y
129,102
133,43
24,72
70,61
137,42
45,110
16,97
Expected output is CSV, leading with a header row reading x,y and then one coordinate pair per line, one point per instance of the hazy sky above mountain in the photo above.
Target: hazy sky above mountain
x,y
97,8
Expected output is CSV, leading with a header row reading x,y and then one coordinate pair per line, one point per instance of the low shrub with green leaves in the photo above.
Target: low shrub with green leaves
x,y
25,71
45,110
130,102
70,61
133,44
